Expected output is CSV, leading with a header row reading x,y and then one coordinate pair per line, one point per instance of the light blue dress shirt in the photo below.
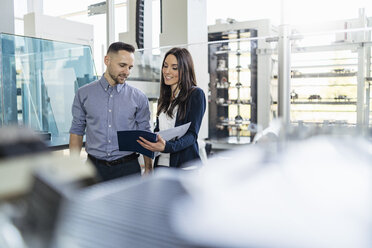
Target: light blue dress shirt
x,y
100,110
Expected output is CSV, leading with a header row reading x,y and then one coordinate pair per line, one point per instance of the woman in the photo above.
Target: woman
x,y
180,102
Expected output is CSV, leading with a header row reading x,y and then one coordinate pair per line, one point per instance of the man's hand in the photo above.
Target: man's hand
x,y
76,143
148,165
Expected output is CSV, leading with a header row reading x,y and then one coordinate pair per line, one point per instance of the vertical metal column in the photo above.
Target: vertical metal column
x,y
361,72
368,90
284,74
110,21
238,118
254,86
368,83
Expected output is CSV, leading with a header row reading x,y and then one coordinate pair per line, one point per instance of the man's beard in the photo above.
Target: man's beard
x,y
116,78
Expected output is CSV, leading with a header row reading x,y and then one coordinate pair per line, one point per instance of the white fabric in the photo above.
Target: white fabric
x,y
165,122
202,151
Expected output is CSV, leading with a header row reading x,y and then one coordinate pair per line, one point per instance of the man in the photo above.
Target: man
x,y
106,106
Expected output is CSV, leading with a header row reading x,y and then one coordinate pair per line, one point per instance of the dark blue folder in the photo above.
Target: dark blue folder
x,y
127,141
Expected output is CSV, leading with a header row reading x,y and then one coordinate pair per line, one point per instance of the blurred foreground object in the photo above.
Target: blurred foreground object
x,y
33,185
123,213
311,193
16,141
315,192
22,152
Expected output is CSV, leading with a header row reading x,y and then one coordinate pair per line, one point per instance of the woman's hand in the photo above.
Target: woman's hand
x,y
158,146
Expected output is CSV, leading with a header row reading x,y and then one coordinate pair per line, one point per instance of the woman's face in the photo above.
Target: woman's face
x,y
170,71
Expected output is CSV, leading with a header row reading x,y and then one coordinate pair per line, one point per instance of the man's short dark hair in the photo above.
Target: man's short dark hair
x,y
117,46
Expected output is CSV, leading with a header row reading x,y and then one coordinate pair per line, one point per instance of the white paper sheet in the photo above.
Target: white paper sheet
x,y
175,132
172,133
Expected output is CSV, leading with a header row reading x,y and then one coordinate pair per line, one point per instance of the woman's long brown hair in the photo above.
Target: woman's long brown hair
x,y
187,81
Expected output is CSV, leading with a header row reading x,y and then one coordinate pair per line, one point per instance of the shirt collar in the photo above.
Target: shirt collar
x,y
120,86
105,85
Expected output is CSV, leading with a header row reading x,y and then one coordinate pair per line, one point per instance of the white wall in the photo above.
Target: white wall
x,y
58,29
7,16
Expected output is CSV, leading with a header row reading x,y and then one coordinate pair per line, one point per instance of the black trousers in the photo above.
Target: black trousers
x,y
107,172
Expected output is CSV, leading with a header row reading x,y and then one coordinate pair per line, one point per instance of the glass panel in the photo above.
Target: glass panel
x,y
324,79
233,85
39,81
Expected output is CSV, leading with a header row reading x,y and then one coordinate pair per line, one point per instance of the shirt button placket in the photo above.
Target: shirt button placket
x,y
109,120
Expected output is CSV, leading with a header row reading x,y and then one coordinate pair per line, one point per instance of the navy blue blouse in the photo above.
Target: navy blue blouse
x,y
186,148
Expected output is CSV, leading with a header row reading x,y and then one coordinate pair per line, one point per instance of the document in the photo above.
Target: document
x,y
173,133
127,140
176,132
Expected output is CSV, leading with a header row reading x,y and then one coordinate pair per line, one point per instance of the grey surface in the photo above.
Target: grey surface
x,y
122,213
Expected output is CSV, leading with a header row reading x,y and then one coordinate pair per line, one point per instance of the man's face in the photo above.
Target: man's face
x,y
119,66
